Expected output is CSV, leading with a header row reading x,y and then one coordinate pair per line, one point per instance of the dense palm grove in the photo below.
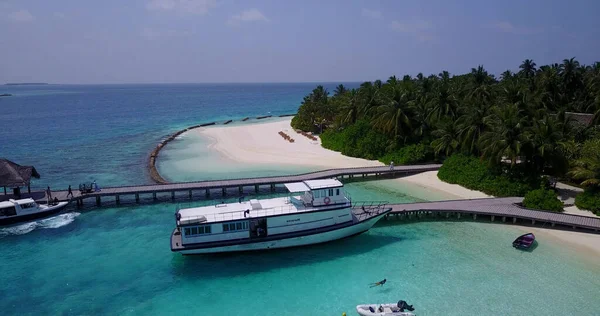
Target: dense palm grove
x,y
516,127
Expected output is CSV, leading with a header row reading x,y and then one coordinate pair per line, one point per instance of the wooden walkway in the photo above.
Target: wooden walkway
x,y
493,208
224,185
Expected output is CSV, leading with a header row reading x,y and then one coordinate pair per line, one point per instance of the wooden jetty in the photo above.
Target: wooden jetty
x,y
493,208
240,184
504,209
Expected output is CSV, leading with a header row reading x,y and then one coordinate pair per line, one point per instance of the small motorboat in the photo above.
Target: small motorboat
x,y
524,241
390,309
15,211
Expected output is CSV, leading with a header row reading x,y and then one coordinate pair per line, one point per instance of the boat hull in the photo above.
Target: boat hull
x,y
304,240
32,216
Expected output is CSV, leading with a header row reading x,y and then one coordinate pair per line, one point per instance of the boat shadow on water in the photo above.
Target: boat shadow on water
x,y
241,263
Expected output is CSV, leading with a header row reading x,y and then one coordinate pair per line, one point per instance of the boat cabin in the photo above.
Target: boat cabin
x,y
259,218
14,207
319,192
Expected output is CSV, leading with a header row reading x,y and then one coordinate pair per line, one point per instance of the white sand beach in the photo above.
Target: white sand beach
x,y
261,144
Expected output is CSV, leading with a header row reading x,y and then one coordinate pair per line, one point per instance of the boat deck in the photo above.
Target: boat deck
x,y
176,241
235,211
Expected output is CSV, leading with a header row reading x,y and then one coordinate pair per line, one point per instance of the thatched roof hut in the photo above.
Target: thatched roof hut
x,y
583,119
13,175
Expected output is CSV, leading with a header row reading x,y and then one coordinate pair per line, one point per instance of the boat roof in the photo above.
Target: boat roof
x,y
12,202
309,185
235,211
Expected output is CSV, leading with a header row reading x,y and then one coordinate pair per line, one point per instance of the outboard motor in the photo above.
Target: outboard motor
x,y
402,305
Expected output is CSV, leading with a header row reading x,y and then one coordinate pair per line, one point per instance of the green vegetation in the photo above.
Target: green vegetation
x,y
517,126
408,155
474,174
589,200
543,199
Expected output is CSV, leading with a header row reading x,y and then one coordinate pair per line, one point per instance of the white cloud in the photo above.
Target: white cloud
x,y
252,15
373,14
199,7
507,27
21,16
420,29
59,15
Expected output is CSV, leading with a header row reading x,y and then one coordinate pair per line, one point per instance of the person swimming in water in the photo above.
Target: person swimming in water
x,y
382,282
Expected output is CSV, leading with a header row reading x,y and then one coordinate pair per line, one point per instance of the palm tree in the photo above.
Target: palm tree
x,y
349,111
368,96
339,90
443,103
505,137
506,75
587,168
391,116
444,76
548,142
392,80
527,68
447,138
471,125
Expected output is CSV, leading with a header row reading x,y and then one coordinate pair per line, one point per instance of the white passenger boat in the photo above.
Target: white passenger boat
x,y
323,212
14,211
390,309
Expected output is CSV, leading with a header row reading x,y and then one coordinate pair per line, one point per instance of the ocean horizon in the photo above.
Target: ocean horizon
x,y
117,260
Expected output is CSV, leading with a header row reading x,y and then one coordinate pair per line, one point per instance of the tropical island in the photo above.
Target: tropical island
x,y
513,136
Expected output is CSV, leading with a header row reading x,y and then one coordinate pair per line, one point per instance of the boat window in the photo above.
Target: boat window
x,y
337,191
199,230
318,194
8,211
330,192
237,226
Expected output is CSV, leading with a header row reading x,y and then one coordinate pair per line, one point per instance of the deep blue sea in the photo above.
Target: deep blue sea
x,y
77,133
117,260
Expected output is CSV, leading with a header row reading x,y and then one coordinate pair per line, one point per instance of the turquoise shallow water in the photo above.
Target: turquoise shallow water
x,y
117,261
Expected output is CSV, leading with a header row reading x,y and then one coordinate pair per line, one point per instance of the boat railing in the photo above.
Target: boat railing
x,y
368,208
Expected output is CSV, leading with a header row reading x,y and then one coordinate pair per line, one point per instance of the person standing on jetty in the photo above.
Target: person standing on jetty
x,y
70,192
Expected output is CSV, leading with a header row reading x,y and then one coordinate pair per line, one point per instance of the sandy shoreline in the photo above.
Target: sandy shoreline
x,y
261,144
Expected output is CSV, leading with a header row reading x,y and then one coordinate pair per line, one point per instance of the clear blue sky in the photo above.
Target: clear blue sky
x,y
180,41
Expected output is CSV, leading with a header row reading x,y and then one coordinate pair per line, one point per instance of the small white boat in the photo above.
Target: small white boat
x,y
390,309
15,211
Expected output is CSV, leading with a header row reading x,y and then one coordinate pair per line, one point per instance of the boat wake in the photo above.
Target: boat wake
x,y
51,222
